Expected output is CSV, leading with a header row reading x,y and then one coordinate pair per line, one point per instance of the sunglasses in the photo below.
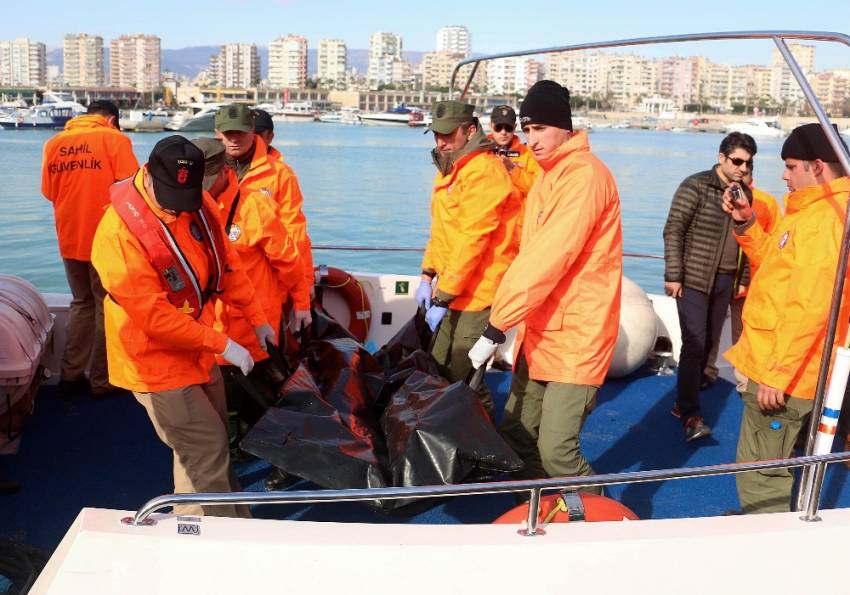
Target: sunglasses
x,y
738,162
503,128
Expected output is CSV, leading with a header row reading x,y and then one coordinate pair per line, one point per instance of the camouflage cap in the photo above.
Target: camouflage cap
x,y
448,115
237,116
213,151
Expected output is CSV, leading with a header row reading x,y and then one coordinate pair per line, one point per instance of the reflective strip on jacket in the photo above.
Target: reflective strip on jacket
x,y
474,218
270,258
785,315
563,288
279,179
151,345
78,166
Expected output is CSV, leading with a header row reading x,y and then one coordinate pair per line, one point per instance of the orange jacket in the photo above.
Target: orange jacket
x,y
474,218
275,179
564,286
768,215
151,345
78,166
270,257
785,315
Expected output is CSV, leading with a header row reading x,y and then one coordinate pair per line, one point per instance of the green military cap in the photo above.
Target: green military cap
x,y
237,116
213,151
448,115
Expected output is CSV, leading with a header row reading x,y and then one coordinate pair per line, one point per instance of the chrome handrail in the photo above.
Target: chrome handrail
x,y
534,486
416,249
637,41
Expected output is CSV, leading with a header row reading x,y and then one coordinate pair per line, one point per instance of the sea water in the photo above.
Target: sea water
x,y
371,186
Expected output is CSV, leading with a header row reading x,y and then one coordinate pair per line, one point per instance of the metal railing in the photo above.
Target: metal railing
x,y
417,249
535,487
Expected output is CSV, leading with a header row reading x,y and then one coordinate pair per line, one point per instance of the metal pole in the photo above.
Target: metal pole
x,y
533,511
468,82
806,487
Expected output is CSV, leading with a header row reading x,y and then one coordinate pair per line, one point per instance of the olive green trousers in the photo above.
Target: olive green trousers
x,y
542,422
768,435
456,335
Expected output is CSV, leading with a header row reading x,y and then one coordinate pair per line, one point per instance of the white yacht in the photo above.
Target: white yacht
x,y
758,128
55,109
197,117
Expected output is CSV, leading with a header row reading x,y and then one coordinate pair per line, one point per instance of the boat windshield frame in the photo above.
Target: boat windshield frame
x,y
808,491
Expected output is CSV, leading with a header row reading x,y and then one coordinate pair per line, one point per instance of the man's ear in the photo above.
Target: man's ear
x,y
817,167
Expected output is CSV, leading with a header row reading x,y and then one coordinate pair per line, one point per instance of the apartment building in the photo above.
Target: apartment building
x,y
454,39
82,57
23,62
333,63
237,65
384,50
135,61
288,62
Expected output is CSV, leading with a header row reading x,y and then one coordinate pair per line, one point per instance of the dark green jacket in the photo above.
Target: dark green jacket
x,y
695,232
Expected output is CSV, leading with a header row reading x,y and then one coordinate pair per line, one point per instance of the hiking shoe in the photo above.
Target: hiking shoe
x,y
675,411
695,429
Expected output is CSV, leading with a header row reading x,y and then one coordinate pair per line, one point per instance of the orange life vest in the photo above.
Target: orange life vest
x,y
182,286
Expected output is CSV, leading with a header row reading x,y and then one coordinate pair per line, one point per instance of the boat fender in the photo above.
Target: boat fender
x,y
556,509
637,333
352,293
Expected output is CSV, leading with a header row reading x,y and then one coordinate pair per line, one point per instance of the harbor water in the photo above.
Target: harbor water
x,y
370,185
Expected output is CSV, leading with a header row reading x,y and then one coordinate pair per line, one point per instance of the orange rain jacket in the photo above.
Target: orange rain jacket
x,y
767,214
474,218
275,179
785,315
270,257
78,166
152,346
564,286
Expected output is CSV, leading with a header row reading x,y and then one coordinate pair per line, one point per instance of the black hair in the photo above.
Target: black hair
x,y
103,108
738,140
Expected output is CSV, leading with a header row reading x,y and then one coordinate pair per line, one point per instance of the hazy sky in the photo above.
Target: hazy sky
x,y
495,26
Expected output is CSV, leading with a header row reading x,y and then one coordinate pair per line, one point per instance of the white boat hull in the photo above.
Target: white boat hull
x,y
221,555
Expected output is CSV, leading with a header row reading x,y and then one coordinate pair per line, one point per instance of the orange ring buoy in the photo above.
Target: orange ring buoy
x,y
596,508
355,298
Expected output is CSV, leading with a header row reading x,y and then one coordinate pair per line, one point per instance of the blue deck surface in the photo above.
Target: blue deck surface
x,y
80,452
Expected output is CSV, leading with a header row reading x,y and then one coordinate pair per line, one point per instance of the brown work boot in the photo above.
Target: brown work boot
x,y
695,428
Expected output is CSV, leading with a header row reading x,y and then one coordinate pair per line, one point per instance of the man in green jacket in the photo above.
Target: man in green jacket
x,y
700,260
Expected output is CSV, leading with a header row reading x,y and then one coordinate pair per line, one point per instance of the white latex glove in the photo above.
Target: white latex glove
x,y
482,352
299,317
423,293
264,332
238,356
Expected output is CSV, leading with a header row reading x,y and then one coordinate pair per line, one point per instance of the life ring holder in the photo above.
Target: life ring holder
x,y
352,293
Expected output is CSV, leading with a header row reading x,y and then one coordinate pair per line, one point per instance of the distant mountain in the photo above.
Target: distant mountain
x,y
190,61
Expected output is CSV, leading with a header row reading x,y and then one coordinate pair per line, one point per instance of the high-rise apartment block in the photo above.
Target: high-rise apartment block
x,y
384,49
134,61
288,62
437,69
23,62
454,39
237,65
511,75
333,62
82,56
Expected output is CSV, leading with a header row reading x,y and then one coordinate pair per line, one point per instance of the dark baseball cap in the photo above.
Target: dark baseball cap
x,y
503,114
448,115
236,116
177,169
213,151
262,121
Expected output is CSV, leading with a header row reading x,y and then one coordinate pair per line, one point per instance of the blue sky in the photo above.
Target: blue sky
x,y
496,26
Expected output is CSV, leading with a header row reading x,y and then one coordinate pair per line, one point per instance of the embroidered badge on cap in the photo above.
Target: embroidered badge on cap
x,y
234,233
182,174
440,111
231,113
504,111
195,230
784,239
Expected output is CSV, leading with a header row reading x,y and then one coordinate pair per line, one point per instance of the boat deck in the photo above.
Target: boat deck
x,y
78,452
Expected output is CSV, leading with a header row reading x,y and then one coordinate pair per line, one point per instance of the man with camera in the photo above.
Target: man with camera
x,y
517,159
700,261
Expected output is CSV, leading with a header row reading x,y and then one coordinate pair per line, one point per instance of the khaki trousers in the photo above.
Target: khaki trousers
x,y
763,436
192,421
85,345
456,335
542,422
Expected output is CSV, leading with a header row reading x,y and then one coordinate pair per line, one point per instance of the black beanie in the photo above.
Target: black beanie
x,y
809,142
547,103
